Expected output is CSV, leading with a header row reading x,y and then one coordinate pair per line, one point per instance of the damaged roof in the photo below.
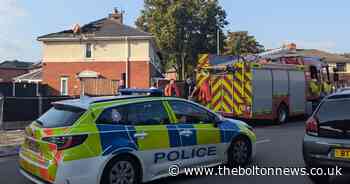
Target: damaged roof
x,y
105,27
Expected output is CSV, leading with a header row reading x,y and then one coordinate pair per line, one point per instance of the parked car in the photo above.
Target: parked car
x,y
129,139
327,140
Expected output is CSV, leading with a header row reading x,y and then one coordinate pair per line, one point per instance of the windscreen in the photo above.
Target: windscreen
x,y
334,110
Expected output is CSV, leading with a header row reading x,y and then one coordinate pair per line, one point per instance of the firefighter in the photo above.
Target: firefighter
x,y
171,89
326,87
202,93
315,88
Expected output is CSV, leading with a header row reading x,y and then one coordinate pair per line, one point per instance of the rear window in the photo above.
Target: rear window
x,y
334,110
60,116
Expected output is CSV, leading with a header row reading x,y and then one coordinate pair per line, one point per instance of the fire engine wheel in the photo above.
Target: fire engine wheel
x,y
282,114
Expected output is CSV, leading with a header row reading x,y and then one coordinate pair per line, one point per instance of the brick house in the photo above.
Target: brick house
x,y
99,57
12,69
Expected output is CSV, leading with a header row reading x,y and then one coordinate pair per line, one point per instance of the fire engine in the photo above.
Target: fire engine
x,y
274,85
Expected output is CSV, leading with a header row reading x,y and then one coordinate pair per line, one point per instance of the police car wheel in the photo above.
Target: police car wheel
x,y
282,114
239,152
122,170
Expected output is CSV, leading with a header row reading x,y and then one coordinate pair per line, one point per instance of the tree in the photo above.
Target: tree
x,y
241,44
183,29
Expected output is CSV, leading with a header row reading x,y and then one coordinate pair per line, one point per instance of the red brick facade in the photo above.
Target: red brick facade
x,y
139,74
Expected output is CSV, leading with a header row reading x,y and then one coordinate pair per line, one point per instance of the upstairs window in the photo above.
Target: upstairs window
x,y
341,67
88,50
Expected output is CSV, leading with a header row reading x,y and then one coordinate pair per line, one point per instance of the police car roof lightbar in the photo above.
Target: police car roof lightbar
x,y
144,92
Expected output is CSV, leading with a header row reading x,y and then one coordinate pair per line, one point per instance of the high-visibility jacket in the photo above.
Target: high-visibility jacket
x,y
327,88
314,88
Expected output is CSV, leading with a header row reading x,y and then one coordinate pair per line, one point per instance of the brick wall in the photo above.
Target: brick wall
x,y
139,75
52,72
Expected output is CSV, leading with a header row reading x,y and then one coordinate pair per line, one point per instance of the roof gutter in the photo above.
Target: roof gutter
x,y
106,38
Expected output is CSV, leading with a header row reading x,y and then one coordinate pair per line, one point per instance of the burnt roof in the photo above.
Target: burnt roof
x,y
105,27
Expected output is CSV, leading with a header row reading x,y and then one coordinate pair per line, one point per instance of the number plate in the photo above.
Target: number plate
x,y
342,153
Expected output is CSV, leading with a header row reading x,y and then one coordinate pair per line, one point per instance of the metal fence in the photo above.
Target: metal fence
x,y
18,111
1,112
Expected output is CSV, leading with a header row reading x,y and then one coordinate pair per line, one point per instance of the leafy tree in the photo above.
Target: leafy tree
x,y
183,29
241,44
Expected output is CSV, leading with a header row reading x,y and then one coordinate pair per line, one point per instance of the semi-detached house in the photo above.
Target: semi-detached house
x,y
99,57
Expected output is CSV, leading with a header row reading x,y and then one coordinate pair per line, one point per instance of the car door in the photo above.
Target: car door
x,y
152,133
200,138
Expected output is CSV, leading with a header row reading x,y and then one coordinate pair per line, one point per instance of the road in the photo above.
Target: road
x,y
278,146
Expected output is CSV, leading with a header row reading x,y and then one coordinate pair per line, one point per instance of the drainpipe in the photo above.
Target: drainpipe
x,y
13,88
127,63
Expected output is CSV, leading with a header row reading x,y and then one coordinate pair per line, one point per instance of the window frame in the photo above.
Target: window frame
x,y
341,67
214,117
66,79
132,124
88,46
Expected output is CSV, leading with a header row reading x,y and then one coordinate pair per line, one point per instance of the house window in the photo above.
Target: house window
x,y
64,86
341,67
88,50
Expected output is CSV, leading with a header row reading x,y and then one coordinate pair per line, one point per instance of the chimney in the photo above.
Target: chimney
x,y
116,16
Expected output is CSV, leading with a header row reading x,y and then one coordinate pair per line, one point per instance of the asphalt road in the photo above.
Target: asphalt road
x,y
278,146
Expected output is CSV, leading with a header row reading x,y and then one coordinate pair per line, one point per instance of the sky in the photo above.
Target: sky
x,y
308,23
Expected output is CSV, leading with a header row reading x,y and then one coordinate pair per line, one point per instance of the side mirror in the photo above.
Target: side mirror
x,y
217,120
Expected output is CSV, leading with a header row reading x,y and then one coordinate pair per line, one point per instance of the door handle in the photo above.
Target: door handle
x,y
186,133
141,135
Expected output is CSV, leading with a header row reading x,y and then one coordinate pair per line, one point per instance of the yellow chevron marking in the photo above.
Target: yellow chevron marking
x,y
217,107
238,86
236,98
225,108
227,86
237,110
229,100
216,86
216,97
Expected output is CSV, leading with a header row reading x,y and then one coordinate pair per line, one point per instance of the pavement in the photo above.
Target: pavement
x,y
278,146
10,142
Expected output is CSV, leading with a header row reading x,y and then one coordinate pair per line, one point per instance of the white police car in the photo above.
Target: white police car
x,y
128,140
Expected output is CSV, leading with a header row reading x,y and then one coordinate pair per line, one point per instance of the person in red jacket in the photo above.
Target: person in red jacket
x,y
171,89
202,93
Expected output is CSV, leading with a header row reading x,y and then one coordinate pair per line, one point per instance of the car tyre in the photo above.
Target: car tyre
x,y
239,152
282,114
123,169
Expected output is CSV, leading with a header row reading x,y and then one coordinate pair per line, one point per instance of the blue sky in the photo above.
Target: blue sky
x,y
308,23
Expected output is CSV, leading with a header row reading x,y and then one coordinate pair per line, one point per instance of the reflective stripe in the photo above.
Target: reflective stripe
x,y
170,112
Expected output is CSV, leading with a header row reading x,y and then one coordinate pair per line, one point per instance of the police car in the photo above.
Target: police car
x,y
129,139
